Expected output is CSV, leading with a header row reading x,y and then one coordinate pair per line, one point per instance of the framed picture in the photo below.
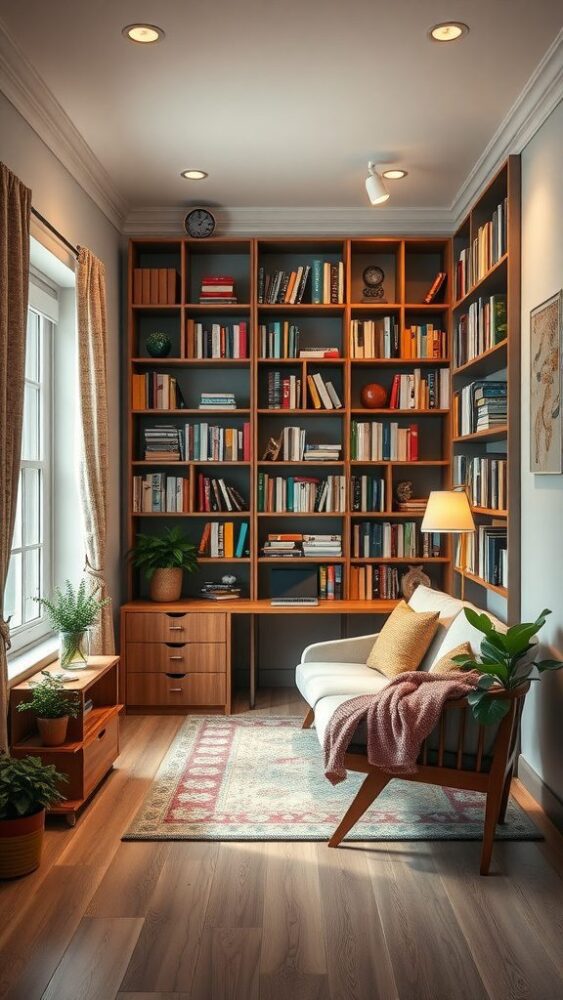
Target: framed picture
x,y
546,352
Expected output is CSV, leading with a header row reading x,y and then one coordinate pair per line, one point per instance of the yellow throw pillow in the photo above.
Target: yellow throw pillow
x,y
446,662
403,640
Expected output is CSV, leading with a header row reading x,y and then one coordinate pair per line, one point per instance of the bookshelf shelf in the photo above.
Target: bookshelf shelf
x,y
395,362
481,286
216,307
397,561
277,560
362,412
301,413
502,591
490,434
488,512
485,363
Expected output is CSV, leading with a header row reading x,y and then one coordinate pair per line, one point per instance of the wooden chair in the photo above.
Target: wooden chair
x,y
494,781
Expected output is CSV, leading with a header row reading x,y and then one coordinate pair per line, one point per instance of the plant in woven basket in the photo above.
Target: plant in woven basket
x,y
71,612
162,559
506,661
27,785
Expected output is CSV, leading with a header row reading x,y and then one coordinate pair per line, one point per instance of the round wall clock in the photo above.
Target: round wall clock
x,y
200,223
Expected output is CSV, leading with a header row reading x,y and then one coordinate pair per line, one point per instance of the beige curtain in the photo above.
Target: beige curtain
x,y
92,335
15,207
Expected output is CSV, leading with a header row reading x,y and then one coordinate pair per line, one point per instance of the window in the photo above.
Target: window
x,y
29,573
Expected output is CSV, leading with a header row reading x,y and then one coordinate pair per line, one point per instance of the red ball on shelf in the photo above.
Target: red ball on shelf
x,y
374,396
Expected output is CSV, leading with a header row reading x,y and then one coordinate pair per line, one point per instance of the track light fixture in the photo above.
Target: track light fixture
x,y
377,192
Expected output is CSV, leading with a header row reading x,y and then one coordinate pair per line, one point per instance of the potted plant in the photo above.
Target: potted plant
x,y
27,788
163,559
52,708
72,613
507,659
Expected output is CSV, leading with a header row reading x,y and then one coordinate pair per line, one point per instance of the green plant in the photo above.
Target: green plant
x,y
48,700
27,785
171,550
504,663
71,610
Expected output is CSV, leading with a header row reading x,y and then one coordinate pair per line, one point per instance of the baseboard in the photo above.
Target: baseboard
x,y
547,799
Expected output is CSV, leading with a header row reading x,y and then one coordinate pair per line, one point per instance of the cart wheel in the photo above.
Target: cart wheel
x,y
71,819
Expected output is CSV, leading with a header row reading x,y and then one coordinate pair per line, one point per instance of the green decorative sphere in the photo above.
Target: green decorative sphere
x,y
159,345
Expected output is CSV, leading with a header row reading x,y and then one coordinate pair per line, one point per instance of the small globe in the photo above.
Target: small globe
x,y
159,345
373,396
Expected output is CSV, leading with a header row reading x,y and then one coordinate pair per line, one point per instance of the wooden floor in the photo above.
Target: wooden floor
x,y
103,920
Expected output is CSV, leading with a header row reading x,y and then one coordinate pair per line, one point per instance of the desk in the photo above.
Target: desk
x,y
160,678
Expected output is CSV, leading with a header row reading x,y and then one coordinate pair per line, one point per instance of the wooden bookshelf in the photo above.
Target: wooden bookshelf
x,y
498,361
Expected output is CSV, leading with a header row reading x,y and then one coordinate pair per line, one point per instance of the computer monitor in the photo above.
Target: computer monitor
x,y
294,581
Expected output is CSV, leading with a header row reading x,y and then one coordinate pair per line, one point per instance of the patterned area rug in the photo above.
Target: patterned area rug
x,y
241,778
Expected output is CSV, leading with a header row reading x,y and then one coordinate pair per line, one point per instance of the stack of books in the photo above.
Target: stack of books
x,y
485,477
229,341
279,340
322,452
323,394
482,327
159,493
367,493
416,391
288,287
155,391
284,391
301,494
374,338
162,443
217,401
154,286
480,406
220,591
423,341
321,353
416,505
374,441
386,540
218,540
287,545
367,583
216,494
322,545
330,582
218,290
485,554
209,443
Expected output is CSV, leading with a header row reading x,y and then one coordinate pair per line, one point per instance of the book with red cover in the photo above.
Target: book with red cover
x,y
146,286
435,287
246,442
243,341
413,443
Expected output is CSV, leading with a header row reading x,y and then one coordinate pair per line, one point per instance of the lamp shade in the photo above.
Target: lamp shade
x,y
448,510
377,192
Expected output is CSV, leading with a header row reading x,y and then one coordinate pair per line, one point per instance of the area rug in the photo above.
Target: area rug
x,y
261,778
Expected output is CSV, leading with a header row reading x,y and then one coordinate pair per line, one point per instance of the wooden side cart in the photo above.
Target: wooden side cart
x,y
92,743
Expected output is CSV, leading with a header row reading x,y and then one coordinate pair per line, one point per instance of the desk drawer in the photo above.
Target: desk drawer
x,y
192,689
100,753
159,626
162,657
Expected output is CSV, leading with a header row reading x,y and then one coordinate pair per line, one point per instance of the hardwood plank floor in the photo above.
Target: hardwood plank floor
x,y
105,920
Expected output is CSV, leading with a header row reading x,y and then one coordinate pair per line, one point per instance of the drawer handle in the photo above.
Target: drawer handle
x,y
176,628
101,734
175,690
173,676
175,657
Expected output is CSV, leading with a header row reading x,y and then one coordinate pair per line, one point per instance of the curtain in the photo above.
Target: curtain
x,y
92,335
15,208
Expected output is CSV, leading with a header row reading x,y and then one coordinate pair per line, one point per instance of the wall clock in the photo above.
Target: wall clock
x,y
374,276
200,223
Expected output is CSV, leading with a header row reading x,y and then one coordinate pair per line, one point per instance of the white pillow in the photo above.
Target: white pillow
x,y
426,599
462,631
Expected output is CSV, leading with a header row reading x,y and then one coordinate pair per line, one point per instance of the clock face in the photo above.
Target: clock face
x,y
373,275
199,223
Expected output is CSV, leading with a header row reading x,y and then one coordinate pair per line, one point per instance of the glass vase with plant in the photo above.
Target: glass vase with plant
x,y
27,788
163,559
53,707
72,612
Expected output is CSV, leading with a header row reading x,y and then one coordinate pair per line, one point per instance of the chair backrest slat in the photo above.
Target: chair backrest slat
x,y
460,738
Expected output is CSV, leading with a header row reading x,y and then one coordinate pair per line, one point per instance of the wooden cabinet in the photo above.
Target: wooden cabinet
x,y
92,743
160,626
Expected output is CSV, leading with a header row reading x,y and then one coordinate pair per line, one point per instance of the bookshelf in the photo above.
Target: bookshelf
x,y
409,266
486,311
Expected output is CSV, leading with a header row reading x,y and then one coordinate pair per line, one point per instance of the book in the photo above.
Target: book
x,y
435,287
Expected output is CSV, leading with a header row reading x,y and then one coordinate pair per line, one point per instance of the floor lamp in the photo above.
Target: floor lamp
x,y
449,512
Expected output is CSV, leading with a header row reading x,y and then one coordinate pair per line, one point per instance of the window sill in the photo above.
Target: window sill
x,y
28,662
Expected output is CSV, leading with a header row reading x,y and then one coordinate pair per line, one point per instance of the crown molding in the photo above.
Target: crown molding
x,y
169,221
540,96
25,89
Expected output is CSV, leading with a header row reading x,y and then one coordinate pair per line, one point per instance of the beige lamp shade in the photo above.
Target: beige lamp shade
x,y
448,510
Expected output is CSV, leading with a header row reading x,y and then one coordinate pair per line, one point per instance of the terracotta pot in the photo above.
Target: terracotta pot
x,y
53,731
21,841
166,585
374,396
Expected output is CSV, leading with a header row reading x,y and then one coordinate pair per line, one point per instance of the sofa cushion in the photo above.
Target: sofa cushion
x,y
426,599
461,630
446,662
323,714
403,640
321,679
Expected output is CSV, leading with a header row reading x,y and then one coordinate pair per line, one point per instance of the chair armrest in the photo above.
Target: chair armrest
x,y
355,650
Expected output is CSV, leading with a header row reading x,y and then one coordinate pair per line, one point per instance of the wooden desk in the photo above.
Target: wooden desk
x,y
201,629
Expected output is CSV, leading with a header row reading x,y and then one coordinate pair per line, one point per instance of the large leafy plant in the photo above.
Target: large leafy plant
x,y
171,550
27,785
505,662
49,700
72,610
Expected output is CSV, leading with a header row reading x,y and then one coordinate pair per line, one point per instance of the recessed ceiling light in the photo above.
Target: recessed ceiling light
x,y
448,31
144,34
194,175
394,175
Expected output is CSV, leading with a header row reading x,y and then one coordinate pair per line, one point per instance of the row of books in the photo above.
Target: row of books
x,y
301,494
205,442
374,441
292,447
325,279
296,545
159,493
487,247
423,340
218,340
330,582
417,391
374,338
156,391
212,591
483,326
481,405
217,401
387,540
485,554
215,494
218,540
367,493
155,286
284,391
367,583
279,340
485,477
218,289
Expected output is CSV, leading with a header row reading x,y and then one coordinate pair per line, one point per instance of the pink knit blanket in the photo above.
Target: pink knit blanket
x,y
398,718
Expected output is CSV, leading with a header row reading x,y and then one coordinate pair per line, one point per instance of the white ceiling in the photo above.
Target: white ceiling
x,y
284,101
